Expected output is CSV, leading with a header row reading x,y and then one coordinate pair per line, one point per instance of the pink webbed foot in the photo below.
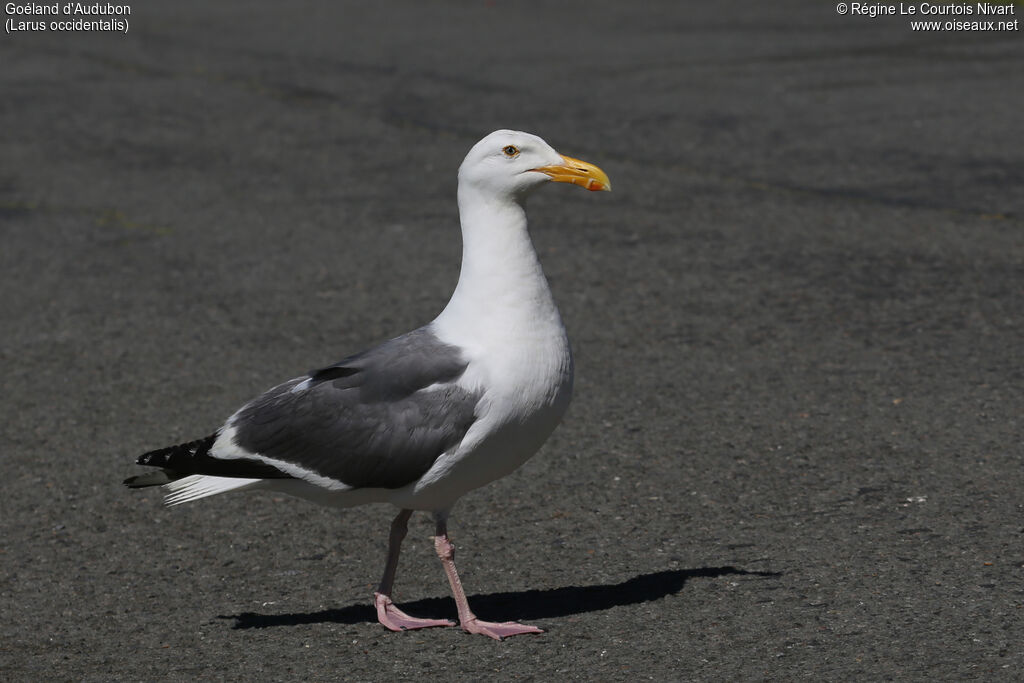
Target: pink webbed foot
x,y
395,619
498,630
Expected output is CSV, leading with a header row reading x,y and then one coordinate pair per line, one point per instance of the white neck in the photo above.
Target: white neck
x,y
502,291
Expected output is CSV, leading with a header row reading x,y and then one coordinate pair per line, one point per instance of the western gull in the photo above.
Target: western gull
x,y
425,417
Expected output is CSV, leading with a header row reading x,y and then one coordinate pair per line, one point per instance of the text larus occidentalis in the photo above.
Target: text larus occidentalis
x,y
425,417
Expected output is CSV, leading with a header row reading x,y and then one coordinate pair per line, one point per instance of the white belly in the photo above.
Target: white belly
x,y
515,419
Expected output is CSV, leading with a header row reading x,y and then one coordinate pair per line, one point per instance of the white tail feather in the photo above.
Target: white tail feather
x,y
198,486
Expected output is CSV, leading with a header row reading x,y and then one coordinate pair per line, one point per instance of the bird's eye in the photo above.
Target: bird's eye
x,y
510,151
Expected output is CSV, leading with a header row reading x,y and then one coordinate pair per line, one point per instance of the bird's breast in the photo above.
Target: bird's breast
x,y
525,385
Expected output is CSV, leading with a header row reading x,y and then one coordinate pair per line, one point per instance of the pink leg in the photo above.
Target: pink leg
x,y
387,614
468,620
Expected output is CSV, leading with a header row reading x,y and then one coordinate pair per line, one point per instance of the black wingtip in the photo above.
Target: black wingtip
x,y
164,457
194,457
157,478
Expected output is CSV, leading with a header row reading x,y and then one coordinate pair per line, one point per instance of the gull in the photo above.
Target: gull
x,y
425,417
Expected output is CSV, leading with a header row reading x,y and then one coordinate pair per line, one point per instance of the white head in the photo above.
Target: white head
x,y
511,163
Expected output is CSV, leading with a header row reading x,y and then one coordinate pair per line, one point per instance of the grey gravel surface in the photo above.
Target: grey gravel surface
x,y
795,450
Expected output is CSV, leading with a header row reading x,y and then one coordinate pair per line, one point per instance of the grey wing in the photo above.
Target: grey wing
x,y
377,419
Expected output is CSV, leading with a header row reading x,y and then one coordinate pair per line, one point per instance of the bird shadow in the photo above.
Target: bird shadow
x,y
531,604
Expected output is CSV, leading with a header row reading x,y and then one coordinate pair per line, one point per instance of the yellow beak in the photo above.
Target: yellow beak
x,y
578,173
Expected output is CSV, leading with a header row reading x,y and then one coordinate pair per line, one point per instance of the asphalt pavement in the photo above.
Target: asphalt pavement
x,y
795,448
